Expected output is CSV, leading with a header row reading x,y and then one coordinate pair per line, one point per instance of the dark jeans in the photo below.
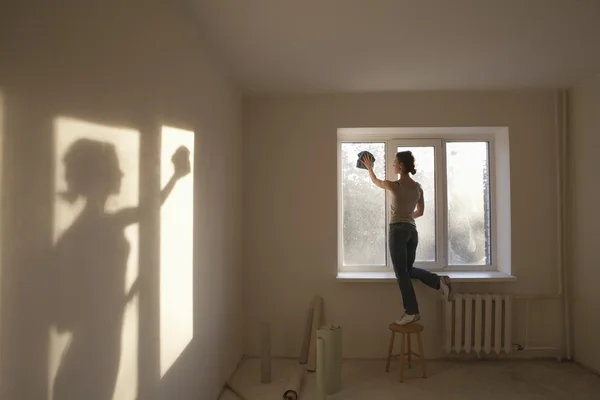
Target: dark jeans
x,y
404,239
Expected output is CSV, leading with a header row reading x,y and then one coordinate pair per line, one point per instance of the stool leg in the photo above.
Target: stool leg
x,y
422,355
409,352
390,349
402,358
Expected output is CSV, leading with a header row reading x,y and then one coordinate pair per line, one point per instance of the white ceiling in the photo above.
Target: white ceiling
x,y
384,45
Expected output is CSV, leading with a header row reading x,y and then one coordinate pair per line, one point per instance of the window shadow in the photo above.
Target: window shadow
x,y
70,277
88,267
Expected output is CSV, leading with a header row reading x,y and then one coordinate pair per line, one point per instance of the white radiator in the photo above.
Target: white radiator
x,y
478,322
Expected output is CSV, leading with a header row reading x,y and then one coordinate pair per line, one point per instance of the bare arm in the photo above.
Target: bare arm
x,y
181,165
132,215
166,191
420,205
384,184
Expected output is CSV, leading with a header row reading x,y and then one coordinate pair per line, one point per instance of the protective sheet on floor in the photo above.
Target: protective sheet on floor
x,y
329,360
294,384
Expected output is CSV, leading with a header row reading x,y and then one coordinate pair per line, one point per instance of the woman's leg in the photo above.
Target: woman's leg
x,y
90,367
431,279
399,238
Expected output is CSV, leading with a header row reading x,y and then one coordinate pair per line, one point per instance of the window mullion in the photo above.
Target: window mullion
x,y
443,209
439,204
389,154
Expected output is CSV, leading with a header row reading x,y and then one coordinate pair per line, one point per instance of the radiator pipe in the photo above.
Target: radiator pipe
x,y
565,231
561,130
559,196
560,114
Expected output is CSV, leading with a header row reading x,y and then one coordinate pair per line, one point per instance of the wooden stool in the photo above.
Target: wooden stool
x,y
405,331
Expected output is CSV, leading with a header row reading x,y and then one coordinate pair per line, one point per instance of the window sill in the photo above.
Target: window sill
x,y
465,276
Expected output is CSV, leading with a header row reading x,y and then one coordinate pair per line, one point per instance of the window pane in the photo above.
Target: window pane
x,y
363,207
425,166
468,203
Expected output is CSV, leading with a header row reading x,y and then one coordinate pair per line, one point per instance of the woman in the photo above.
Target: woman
x,y
90,265
407,204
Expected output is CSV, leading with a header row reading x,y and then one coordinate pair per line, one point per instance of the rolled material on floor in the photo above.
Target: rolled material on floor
x,y
294,385
265,352
311,364
329,359
306,339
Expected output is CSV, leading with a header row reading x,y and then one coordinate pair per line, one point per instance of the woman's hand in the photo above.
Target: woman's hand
x,y
131,215
181,162
367,161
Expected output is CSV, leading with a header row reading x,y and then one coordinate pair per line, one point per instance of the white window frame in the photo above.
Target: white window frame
x,y
499,172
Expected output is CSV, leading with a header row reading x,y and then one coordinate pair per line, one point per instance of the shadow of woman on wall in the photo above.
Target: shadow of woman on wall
x,y
89,264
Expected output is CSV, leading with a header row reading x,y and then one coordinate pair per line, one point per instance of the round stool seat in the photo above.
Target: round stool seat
x,y
413,327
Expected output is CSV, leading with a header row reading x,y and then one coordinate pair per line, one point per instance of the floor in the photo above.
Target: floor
x,y
447,380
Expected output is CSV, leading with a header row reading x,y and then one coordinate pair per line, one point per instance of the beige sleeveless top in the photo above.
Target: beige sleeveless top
x,y
404,202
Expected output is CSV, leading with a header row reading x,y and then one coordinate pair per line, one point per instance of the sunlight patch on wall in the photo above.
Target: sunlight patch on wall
x,y
176,252
94,336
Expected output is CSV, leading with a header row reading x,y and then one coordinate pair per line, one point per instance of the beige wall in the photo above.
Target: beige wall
x,y
584,142
290,213
134,64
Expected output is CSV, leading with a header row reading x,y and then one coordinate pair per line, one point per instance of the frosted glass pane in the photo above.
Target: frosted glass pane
x,y
425,166
363,207
468,203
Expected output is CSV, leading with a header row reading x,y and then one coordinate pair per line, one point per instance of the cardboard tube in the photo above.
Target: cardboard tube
x,y
294,385
265,353
333,359
306,339
329,368
321,369
316,322
337,354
